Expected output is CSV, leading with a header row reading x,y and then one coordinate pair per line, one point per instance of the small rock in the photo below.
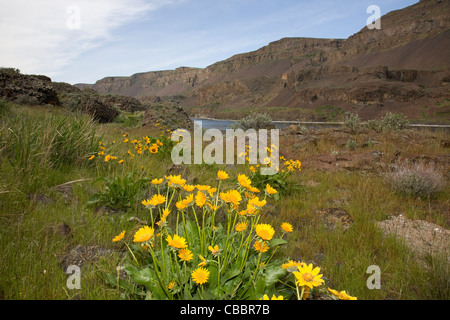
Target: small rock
x,y
333,218
137,220
40,198
81,255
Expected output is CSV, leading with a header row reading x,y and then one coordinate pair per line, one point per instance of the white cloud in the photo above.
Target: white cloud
x,y
43,36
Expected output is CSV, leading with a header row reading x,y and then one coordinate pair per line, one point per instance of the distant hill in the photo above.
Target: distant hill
x,y
402,67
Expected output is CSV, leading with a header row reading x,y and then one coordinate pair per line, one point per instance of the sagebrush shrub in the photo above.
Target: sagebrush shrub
x,y
351,144
394,121
352,121
390,122
254,121
416,180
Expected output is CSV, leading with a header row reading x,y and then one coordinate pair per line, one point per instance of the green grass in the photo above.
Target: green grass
x,y
32,211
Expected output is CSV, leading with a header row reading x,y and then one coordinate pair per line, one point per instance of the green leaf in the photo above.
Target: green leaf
x,y
276,242
273,273
148,278
260,286
230,274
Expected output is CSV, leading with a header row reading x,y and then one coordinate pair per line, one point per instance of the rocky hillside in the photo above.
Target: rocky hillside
x,y
402,67
35,90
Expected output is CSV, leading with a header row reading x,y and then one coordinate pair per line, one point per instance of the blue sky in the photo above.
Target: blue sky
x,y
78,41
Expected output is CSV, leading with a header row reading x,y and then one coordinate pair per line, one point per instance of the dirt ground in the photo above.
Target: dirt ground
x,y
420,236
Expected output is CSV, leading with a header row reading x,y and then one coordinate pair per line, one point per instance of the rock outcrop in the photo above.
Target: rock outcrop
x,y
40,90
26,89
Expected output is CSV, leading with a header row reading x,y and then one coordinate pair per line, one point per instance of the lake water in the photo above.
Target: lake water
x,y
224,124
213,124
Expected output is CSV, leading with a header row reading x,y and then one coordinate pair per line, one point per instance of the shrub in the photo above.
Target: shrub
x,y
10,71
416,180
394,121
351,144
390,122
254,121
375,125
352,121
27,100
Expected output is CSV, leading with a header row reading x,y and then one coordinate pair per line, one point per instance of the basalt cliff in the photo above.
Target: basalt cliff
x,y
402,67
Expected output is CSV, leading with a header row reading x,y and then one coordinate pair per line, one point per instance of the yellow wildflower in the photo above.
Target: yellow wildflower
x,y
258,204
185,255
244,181
200,275
270,190
175,181
241,226
260,246
154,148
171,285
204,261
176,242
341,295
143,234
156,200
200,199
202,187
222,175
157,181
211,191
274,297
264,231
119,237
287,227
292,265
214,250
231,196
307,276
188,188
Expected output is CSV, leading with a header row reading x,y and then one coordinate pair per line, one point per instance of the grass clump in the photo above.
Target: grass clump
x,y
31,142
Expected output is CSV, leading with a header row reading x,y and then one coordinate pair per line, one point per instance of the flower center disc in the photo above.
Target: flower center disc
x,y
307,276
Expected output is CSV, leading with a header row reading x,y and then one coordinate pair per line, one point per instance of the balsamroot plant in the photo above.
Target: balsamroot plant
x,y
217,247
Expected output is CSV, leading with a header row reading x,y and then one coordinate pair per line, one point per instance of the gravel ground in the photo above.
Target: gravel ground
x,y
421,236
